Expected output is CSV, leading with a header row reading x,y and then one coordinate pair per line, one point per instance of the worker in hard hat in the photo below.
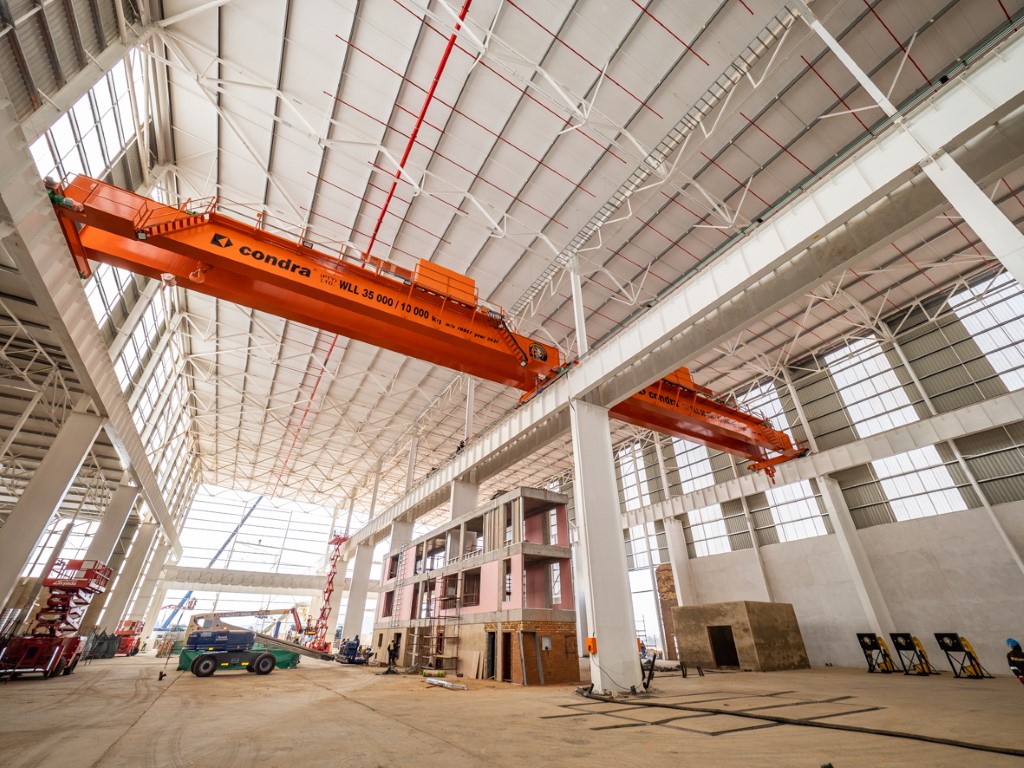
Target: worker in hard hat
x,y
1015,658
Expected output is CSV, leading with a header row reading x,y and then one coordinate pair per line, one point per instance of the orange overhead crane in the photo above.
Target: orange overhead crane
x,y
430,313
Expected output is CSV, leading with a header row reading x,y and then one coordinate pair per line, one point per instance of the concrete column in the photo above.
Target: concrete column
x,y
463,498
102,547
112,523
855,558
602,551
401,533
359,586
43,494
679,557
151,584
128,578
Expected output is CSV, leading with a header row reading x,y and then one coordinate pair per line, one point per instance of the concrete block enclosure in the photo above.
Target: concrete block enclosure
x,y
754,637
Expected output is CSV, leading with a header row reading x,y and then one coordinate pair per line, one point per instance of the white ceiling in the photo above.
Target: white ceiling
x,y
545,110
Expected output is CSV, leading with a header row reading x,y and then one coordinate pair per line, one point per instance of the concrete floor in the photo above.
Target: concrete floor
x,y
116,712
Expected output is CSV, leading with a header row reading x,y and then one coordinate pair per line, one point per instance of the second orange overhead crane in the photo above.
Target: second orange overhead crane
x,y
430,313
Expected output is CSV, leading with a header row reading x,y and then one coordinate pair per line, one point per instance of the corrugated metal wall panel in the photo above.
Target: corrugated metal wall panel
x,y
1005,490
864,497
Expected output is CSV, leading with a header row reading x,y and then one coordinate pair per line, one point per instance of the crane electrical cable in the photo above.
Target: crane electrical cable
x,y
430,313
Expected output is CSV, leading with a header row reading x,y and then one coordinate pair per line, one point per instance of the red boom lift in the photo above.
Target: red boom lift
x,y
430,313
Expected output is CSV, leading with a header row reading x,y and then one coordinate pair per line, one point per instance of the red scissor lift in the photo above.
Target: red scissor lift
x,y
54,645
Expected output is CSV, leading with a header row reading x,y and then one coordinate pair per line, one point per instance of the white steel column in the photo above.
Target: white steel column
x,y
615,666
112,523
682,574
105,539
148,588
997,232
359,585
857,563
43,494
464,497
578,310
376,487
470,393
410,468
128,578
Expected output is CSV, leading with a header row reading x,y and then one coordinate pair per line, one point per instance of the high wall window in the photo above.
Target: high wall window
x,y
646,545
694,465
632,477
707,531
90,136
993,313
795,508
556,583
280,536
917,483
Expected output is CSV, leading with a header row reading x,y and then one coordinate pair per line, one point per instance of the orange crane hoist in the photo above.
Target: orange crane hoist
x,y
430,313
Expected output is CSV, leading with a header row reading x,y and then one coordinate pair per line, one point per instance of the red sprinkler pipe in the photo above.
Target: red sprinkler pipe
x,y
419,121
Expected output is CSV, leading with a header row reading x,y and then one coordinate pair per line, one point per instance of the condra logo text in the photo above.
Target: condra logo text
x,y
267,258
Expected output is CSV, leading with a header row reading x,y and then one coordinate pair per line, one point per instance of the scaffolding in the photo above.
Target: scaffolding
x,y
437,642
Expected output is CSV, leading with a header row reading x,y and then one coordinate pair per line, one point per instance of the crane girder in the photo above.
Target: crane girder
x,y
430,313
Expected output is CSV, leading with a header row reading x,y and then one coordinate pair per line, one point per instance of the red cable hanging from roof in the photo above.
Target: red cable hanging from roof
x,y
419,121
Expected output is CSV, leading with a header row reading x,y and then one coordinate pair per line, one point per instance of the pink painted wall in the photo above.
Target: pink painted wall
x,y
534,527
537,586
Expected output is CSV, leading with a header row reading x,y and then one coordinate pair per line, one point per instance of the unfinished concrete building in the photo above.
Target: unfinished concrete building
x,y
488,595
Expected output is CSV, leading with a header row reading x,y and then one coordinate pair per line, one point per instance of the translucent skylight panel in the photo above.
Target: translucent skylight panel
x,y
993,313
694,465
708,532
916,483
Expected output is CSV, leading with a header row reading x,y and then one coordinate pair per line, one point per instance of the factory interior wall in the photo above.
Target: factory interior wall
x,y
948,573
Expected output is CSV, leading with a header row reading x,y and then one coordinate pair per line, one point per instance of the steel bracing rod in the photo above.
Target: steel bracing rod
x,y
1005,240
